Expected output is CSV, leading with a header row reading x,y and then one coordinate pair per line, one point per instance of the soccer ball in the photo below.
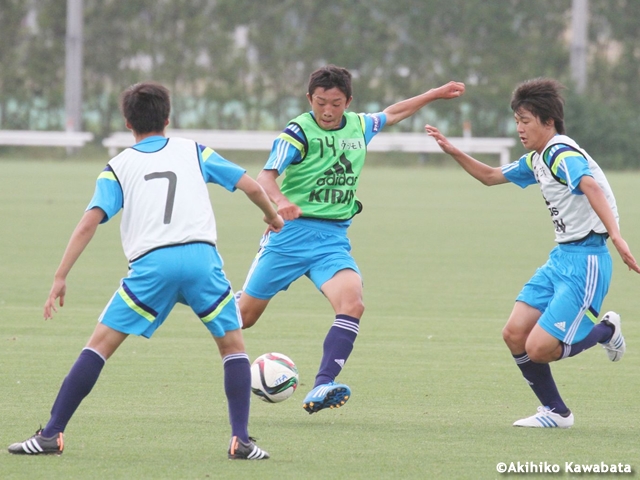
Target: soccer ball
x,y
274,377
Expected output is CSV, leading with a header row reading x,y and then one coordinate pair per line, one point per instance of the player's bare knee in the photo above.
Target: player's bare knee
x,y
536,356
514,339
508,336
356,308
539,354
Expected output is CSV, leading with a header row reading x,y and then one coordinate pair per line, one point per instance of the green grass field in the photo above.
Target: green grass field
x,y
434,387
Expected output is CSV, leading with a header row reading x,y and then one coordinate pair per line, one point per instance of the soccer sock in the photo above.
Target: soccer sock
x,y
600,333
539,378
237,387
76,385
337,347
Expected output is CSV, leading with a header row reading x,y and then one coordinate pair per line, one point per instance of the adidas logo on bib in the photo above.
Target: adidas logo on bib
x,y
560,326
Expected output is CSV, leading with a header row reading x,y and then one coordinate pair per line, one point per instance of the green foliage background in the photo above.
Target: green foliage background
x,y
241,64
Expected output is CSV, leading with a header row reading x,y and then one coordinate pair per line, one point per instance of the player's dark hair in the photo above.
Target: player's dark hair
x,y
146,106
541,97
331,76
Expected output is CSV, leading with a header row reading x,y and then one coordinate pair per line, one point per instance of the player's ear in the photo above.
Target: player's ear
x,y
166,122
348,102
128,125
309,98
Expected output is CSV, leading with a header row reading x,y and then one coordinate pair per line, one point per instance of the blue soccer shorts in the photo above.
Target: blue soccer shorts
x,y
569,290
316,248
190,274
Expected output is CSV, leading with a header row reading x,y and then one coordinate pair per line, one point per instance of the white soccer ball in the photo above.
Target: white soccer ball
x,y
274,377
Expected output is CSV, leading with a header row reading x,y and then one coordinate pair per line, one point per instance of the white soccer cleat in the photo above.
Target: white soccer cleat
x,y
545,418
616,346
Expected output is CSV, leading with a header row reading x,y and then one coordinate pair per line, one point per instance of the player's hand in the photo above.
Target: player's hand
x,y
625,253
450,90
443,142
289,211
58,291
275,224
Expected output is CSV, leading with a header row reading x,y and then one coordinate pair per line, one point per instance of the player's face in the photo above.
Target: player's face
x,y
328,106
533,134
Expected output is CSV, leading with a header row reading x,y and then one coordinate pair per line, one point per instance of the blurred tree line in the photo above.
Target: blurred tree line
x,y
242,64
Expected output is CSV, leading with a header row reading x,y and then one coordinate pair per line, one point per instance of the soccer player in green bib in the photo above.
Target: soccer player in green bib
x,y
322,152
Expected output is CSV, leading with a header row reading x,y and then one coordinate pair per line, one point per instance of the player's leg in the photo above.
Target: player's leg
x,y
251,308
237,381
521,324
521,321
601,333
138,307
206,289
83,375
344,292
76,386
237,387
534,299
542,347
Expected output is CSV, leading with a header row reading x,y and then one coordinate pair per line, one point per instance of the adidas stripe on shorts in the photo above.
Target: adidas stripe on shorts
x,y
569,290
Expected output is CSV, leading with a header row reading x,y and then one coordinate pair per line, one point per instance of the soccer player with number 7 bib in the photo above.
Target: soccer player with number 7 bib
x,y
169,236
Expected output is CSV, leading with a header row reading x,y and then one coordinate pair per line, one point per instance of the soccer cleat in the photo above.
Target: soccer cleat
x,y
545,418
616,345
328,395
39,445
238,450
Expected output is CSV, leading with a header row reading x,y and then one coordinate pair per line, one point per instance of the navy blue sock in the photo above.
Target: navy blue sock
x,y
76,385
337,347
237,387
539,378
600,333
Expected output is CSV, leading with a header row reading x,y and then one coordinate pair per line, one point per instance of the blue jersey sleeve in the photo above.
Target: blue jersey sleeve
x,y
519,172
107,195
216,169
373,124
569,166
285,152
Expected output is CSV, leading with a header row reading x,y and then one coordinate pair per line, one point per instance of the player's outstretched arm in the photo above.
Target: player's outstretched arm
x,y
258,196
79,240
478,170
401,110
599,203
288,210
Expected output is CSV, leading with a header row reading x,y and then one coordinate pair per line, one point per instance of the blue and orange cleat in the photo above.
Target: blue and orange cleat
x,y
327,395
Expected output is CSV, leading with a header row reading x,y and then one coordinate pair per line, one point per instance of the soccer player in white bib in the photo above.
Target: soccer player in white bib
x,y
169,237
555,315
